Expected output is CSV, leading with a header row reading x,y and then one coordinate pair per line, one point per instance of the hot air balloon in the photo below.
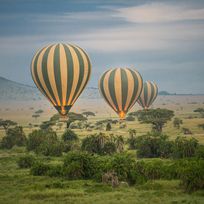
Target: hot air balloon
x,y
121,89
148,94
61,72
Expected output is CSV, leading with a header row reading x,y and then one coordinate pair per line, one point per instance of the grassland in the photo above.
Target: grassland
x,y
18,186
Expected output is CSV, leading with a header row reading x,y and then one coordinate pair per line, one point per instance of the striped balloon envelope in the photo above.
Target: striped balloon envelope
x,y
61,72
148,94
121,88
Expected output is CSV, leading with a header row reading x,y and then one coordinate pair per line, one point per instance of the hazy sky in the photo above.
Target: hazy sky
x,y
163,40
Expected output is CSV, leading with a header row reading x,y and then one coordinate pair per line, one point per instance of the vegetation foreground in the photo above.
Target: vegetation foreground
x,y
101,167
19,186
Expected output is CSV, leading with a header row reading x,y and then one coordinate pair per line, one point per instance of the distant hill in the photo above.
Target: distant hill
x,y
10,90
164,93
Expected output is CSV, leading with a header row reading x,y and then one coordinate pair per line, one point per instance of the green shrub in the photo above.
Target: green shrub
x,y
153,145
192,176
79,165
184,147
108,127
69,135
36,138
71,146
50,148
100,144
55,170
102,166
40,169
200,152
26,161
130,118
122,164
156,169
14,136
93,143
109,148
44,142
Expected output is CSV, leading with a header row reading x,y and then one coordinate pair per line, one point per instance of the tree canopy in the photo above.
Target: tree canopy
x,y
7,123
157,117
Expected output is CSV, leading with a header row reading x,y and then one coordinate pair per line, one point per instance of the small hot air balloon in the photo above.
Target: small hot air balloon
x,y
61,72
121,89
148,94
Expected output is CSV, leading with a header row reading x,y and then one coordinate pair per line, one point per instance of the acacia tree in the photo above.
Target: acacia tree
x,y
157,117
88,113
14,136
47,125
39,111
6,124
35,116
200,111
71,118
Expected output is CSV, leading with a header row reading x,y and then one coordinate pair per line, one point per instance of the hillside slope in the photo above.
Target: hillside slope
x,y
13,91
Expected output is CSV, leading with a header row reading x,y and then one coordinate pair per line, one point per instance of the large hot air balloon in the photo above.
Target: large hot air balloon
x,y
148,94
121,89
61,72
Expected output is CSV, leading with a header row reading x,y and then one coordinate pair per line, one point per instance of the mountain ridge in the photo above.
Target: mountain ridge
x,y
11,90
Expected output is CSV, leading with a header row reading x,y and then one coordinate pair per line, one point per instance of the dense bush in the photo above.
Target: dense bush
x,y
130,118
69,135
192,175
109,148
14,136
108,127
50,148
35,138
71,146
102,144
122,165
55,170
102,166
200,152
79,165
40,169
26,161
44,142
94,143
184,147
153,145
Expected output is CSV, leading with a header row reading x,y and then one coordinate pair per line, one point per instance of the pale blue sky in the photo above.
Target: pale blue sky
x,y
163,40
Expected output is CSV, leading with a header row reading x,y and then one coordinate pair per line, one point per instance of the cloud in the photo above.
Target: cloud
x,y
159,13
141,38
120,39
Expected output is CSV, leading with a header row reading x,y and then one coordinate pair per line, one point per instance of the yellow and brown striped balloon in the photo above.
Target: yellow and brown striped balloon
x,y
61,72
148,94
121,89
